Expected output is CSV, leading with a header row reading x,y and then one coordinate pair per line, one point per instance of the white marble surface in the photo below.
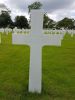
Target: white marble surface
x,y
36,40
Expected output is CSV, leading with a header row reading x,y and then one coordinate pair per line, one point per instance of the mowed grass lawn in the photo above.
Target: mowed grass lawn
x,y
58,71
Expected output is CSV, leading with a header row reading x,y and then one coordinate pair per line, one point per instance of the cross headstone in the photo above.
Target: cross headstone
x,y
1,30
36,40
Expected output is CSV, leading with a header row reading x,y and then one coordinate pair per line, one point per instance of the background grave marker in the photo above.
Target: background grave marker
x,y
0,38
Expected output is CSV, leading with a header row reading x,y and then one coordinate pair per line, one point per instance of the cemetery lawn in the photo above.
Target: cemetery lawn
x,y
58,68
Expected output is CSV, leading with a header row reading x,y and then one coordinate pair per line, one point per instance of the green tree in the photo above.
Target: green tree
x,y
48,23
35,5
5,20
66,23
21,22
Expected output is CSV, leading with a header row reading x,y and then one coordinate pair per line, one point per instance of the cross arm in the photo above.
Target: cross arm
x,y
21,39
52,39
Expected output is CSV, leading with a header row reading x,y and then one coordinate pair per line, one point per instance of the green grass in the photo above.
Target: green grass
x,y
6,39
58,68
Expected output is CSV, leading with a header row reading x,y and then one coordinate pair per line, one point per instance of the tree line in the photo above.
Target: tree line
x,y
6,21
22,21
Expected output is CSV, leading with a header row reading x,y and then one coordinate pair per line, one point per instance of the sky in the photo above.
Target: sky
x,y
56,9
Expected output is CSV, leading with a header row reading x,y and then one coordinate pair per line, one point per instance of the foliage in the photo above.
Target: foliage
x,y
35,5
66,23
5,20
48,23
21,22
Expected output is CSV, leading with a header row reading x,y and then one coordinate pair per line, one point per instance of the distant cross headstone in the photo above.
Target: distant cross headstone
x,y
36,40
0,38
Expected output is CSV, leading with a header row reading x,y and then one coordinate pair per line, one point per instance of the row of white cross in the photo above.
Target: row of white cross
x,y
6,30
36,40
27,31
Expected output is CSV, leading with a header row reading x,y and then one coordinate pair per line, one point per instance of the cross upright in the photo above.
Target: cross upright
x,y
36,40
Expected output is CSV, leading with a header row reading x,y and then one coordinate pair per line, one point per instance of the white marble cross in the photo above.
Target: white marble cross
x,y
36,40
